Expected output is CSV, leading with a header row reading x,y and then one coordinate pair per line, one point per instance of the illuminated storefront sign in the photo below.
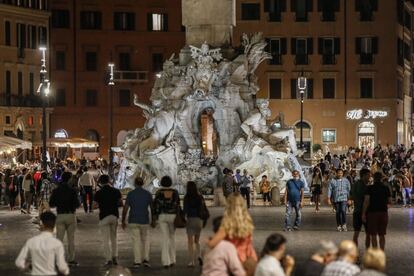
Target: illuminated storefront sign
x,y
357,114
61,133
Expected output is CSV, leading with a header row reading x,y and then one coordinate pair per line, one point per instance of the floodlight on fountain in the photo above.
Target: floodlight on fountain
x,y
158,75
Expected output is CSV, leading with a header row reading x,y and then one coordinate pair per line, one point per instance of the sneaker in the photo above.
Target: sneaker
x,y
108,263
146,263
339,228
296,228
73,263
190,264
114,261
287,229
344,228
137,265
200,261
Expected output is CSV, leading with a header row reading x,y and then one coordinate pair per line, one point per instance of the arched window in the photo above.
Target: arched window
x,y
92,135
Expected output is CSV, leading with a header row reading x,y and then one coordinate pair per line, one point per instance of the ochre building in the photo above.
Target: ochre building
x,y
357,58
136,36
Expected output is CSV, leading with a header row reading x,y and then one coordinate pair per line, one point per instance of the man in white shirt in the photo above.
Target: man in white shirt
x,y
47,253
87,184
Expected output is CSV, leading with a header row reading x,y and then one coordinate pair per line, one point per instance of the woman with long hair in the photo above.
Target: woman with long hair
x,y
237,227
193,202
166,204
316,187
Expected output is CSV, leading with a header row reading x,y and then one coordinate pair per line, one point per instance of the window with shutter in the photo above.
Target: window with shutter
x,y
275,88
7,33
301,9
366,48
303,47
157,62
60,58
275,48
91,20
366,88
274,8
124,21
91,98
91,60
19,84
328,9
60,97
157,22
250,11
60,19
328,51
124,61
366,9
328,88
124,97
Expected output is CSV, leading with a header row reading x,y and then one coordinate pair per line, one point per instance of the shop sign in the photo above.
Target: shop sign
x,y
61,133
357,114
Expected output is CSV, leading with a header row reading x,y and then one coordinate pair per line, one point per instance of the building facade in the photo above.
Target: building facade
x,y
24,27
136,36
357,58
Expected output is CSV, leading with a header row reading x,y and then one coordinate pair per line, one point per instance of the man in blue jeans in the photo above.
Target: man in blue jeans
x,y
294,200
339,190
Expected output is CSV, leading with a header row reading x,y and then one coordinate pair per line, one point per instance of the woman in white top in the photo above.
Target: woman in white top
x,y
27,186
272,254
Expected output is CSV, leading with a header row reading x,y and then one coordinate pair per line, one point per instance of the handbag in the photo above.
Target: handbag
x,y
204,214
180,221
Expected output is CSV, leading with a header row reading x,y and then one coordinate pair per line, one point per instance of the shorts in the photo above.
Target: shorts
x,y
377,223
194,226
357,222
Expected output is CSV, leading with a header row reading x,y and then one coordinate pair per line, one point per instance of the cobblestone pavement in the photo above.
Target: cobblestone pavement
x,y
16,228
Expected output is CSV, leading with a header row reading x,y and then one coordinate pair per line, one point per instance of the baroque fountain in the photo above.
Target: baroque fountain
x,y
216,81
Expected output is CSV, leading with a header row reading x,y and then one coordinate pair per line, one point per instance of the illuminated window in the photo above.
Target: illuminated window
x,y
329,136
30,121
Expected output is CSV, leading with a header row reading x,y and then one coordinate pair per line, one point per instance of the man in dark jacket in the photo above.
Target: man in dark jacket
x,y
66,201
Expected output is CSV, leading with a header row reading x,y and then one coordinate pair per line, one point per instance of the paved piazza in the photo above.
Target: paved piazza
x,y
16,228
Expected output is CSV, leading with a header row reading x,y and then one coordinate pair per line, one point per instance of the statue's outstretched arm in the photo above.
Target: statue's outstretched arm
x,y
145,107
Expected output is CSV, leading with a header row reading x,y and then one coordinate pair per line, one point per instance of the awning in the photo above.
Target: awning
x,y
74,143
8,144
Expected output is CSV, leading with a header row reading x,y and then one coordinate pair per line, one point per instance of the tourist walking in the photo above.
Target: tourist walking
x,y
345,265
65,200
109,199
272,255
44,253
357,197
375,210
294,195
265,189
316,187
228,182
139,203
407,186
326,254
87,185
246,187
11,183
193,205
45,193
338,195
166,207
237,181
28,188
222,260
237,227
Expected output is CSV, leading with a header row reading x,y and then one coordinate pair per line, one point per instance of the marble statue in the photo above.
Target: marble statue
x,y
205,80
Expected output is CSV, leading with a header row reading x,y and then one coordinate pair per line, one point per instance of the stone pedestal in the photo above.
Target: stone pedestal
x,y
211,21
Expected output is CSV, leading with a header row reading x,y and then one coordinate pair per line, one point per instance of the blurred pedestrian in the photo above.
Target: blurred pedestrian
x,y
139,204
166,207
246,187
316,187
273,261
265,189
374,262
338,195
65,200
109,200
326,254
345,265
44,253
87,184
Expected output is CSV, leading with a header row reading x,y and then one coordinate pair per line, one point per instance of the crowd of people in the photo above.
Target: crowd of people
x,y
362,181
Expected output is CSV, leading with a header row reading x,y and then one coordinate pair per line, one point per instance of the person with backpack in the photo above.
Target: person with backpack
x,y
294,195
194,209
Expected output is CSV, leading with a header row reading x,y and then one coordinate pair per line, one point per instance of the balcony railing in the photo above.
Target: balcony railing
x,y
20,101
366,59
301,59
131,76
275,60
328,59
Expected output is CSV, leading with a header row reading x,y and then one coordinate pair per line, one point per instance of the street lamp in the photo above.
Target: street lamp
x,y
43,90
111,84
302,85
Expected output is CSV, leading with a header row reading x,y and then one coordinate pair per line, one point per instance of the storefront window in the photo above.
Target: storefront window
x,y
366,135
329,135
